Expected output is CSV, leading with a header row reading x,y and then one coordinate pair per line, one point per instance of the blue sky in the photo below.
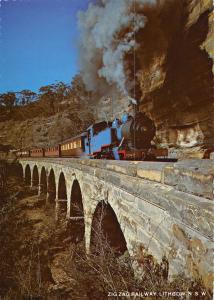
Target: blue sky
x,y
38,42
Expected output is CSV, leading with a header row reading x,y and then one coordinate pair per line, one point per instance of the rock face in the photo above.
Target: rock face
x,y
177,86
174,75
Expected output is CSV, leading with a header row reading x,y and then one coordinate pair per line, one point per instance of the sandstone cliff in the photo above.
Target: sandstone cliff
x,y
179,97
174,78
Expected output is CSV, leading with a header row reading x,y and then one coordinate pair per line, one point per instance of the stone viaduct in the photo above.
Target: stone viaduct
x,y
159,208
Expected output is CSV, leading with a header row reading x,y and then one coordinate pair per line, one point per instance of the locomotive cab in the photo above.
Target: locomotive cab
x,y
99,140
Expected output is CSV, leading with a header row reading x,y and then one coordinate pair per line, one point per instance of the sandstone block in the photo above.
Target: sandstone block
x,y
191,176
151,170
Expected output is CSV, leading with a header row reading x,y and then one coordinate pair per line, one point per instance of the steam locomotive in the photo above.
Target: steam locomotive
x,y
128,138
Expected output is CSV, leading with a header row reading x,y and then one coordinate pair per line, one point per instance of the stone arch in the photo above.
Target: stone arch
x,y
51,187
35,176
17,170
77,221
43,181
106,230
20,171
62,194
27,175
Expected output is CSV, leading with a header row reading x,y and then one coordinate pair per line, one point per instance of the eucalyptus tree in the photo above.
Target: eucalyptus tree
x,y
8,101
27,96
47,93
54,94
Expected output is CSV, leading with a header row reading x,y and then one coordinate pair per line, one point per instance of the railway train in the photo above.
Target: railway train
x,y
128,138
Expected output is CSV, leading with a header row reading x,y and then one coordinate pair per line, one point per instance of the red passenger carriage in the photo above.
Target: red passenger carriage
x,y
37,152
52,151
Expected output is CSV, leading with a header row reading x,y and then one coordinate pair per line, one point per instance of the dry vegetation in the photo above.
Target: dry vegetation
x,y
56,113
40,260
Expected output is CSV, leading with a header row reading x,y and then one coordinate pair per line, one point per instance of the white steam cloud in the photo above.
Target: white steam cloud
x,y
107,34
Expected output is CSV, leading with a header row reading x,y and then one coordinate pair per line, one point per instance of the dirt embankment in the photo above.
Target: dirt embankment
x,y
44,131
